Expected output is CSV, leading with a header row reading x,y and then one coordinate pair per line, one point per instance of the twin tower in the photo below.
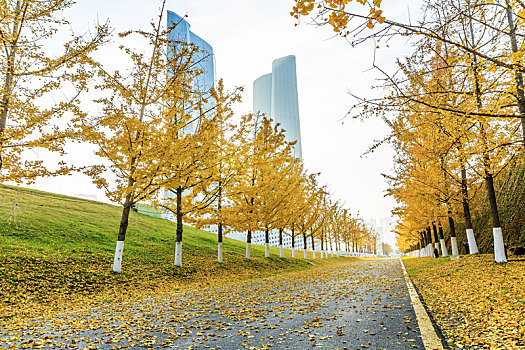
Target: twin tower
x,y
274,94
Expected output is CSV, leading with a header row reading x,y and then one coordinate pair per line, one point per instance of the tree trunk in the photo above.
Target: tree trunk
x,y
124,219
421,244
293,241
322,245
518,75
430,250
499,245
424,246
444,251
473,247
248,244
453,239
281,243
267,243
9,75
117,260
304,246
219,228
313,247
436,239
178,241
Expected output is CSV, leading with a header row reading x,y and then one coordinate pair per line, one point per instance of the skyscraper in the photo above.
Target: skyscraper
x,y
275,95
180,31
205,61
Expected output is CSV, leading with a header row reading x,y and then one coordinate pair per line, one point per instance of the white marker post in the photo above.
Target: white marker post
x,y
248,246
499,245
444,251
454,244
472,246
178,254
219,253
117,261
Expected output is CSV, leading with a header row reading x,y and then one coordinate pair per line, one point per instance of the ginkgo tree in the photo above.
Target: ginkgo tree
x,y
307,219
261,189
133,132
224,163
439,145
497,49
279,172
189,175
31,76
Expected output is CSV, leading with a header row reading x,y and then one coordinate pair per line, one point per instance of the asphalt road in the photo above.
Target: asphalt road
x,y
357,305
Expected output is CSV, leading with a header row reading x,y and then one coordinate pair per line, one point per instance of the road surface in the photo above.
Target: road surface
x,y
356,305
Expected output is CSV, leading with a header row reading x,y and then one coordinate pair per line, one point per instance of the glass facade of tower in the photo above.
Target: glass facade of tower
x,y
276,96
205,60
262,95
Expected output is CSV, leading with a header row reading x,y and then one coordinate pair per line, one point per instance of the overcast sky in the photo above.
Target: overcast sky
x,y
247,35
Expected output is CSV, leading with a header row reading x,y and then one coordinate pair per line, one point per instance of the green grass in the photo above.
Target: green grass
x,y
57,251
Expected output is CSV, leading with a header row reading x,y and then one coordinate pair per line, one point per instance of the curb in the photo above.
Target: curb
x,y
430,338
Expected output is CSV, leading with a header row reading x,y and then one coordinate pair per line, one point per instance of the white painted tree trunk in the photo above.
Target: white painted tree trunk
x,y
444,250
117,261
178,254
422,253
248,251
305,254
436,245
454,244
499,245
267,250
293,252
219,253
429,250
281,252
313,254
472,246
332,253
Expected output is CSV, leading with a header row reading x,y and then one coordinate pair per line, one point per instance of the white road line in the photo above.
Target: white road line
x,y
430,339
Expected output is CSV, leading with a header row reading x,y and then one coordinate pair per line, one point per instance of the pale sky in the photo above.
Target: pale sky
x,y
247,35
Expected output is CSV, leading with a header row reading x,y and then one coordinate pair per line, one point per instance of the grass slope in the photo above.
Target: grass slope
x,y
56,253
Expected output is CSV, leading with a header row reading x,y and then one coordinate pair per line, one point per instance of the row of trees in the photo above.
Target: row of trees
x,y
456,109
158,138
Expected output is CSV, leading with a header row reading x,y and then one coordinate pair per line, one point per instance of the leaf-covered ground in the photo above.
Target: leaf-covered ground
x,y
56,254
476,302
356,305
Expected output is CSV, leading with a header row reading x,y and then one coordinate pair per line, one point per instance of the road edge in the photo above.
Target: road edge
x,y
431,341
